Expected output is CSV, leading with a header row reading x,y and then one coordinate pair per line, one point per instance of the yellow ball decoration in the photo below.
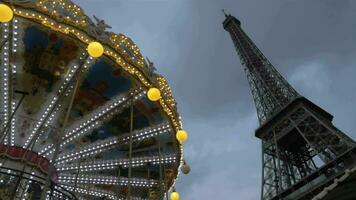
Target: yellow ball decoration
x,y
154,94
95,49
181,136
6,13
175,196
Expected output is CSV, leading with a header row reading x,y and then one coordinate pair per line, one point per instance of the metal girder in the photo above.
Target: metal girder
x,y
113,164
113,142
286,166
271,92
294,131
105,180
94,119
65,86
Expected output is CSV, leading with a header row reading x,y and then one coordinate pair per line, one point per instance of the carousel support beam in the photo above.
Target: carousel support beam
x,y
21,174
95,119
57,147
23,191
12,73
64,87
95,192
6,47
58,142
3,42
97,179
18,182
118,175
165,190
162,182
148,177
4,132
165,183
111,164
25,153
76,177
130,150
52,190
101,146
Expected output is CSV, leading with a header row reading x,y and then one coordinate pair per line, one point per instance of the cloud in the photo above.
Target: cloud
x,y
324,82
311,77
220,156
221,136
222,184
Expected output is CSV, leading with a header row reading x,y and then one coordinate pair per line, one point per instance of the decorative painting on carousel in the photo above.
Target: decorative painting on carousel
x,y
46,58
103,82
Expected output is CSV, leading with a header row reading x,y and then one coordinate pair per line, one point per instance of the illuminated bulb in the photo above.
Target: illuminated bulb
x,y
175,196
181,136
6,13
154,94
95,49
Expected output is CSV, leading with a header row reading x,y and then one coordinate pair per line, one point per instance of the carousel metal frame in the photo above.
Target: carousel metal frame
x,y
49,171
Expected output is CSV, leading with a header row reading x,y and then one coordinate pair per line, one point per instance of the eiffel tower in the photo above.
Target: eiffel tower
x,y
304,156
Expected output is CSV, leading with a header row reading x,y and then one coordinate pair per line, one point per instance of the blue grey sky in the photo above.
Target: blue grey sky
x,y
311,42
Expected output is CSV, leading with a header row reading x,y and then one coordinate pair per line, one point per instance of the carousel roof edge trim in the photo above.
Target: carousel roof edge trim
x,y
80,26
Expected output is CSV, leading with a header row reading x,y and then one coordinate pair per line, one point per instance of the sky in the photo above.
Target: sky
x,y
311,42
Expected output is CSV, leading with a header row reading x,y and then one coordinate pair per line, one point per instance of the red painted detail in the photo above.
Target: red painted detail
x,y
31,157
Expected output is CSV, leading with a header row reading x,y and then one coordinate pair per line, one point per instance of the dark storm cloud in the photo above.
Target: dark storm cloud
x,y
312,43
311,29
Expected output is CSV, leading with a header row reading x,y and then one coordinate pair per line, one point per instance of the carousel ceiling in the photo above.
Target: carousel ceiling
x,y
84,123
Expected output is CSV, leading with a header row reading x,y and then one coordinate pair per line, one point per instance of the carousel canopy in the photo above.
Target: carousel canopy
x,y
76,119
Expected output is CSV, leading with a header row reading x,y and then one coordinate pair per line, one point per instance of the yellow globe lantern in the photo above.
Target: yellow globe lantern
x,y
181,136
154,94
6,13
95,49
175,196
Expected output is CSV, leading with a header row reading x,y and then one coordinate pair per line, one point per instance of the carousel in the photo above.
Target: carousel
x,y
83,114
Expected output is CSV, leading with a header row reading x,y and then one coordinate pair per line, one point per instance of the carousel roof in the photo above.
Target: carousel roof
x,y
84,122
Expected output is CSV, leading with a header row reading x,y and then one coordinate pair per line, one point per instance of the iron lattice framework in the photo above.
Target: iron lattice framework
x,y
302,151
270,90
